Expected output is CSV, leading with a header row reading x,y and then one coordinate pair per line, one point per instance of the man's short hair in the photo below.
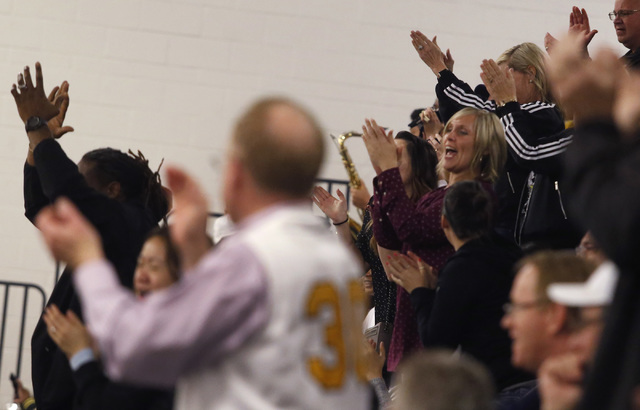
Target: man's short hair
x,y
440,380
281,145
555,267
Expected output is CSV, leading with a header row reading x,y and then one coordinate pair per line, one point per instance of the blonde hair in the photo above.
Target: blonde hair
x,y
526,55
489,146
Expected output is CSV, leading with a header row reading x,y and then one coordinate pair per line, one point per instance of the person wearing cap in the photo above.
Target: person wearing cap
x,y
538,325
561,376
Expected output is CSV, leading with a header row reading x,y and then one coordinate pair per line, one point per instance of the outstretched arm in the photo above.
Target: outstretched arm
x,y
32,102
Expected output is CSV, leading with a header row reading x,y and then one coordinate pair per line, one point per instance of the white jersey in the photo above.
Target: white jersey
x,y
304,358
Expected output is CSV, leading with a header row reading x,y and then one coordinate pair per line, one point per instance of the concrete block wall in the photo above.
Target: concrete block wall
x,y
168,77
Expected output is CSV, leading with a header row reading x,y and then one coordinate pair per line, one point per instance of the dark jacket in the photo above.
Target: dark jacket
x,y
544,221
632,59
122,227
96,392
602,175
466,307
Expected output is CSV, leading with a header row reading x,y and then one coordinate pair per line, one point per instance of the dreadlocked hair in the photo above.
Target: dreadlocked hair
x,y
137,181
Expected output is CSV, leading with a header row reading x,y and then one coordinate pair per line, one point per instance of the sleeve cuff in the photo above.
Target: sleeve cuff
x,y
508,108
446,76
81,358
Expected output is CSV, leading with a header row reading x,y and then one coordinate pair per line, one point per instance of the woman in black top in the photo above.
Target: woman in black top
x,y
463,305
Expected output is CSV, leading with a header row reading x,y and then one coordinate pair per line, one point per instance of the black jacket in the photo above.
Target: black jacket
x,y
122,227
602,175
466,307
96,392
632,59
544,221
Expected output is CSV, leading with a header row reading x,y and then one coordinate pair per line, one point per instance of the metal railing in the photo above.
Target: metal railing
x,y
28,289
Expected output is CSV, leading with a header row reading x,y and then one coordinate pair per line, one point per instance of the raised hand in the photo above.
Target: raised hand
x,y
585,88
448,60
67,331
189,227
430,123
334,208
579,24
499,82
68,234
59,97
380,146
429,52
31,99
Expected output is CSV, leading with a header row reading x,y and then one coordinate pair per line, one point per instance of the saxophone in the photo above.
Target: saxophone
x,y
354,179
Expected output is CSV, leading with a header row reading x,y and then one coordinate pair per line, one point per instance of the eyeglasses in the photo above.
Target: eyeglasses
x,y
509,308
621,14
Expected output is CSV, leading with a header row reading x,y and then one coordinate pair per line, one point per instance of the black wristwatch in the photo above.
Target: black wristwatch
x,y
34,123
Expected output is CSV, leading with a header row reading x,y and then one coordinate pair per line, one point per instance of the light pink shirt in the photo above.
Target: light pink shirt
x,y
209,313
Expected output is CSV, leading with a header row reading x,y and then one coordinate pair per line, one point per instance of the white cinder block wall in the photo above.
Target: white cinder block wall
x,y
169,77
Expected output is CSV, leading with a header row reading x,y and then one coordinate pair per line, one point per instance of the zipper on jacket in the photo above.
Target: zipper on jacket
x,y
513,191
560,199
523,209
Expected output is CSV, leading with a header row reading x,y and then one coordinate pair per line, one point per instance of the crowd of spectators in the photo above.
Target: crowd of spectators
x,y
499,247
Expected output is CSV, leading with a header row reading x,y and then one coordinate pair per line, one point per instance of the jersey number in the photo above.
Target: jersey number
x,y
325,294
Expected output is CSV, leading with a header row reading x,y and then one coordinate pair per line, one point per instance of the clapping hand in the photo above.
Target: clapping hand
x,y
59,97
430,53
579,24
499,82
334,208
410,272
380,146
67,331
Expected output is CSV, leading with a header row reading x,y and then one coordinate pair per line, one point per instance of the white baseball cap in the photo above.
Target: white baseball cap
x,y
223,227
596,291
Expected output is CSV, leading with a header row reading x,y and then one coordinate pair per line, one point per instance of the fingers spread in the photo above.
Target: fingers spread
x,y
27,77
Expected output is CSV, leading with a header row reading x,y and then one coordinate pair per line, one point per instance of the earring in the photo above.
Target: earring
x,y
530,81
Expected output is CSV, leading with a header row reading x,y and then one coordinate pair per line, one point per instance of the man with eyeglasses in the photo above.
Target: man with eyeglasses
x,y
536,324
561,377
626,21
